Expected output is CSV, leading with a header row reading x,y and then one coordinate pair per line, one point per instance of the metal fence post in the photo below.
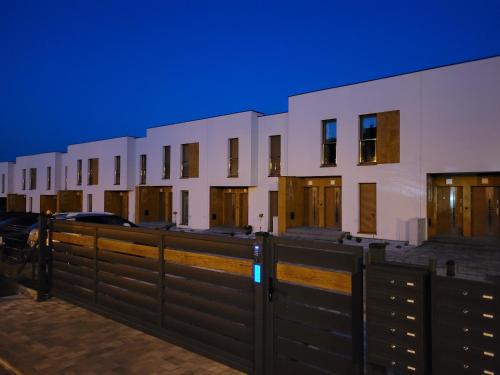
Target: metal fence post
x,y
96,264
161,278
259,276
42,292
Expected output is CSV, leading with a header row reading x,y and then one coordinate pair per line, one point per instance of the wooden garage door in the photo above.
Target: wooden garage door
x,y
368,208
48,203
485,211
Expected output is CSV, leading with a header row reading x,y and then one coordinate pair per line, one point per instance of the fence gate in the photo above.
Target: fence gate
x,y
314,321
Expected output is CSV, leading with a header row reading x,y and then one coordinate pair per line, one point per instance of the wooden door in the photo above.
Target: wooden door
x,y
311,217
243,206
368,208
449,210
229,217
216,204
116,202
48,203
273,208
485,211
69,201
161,205
333,207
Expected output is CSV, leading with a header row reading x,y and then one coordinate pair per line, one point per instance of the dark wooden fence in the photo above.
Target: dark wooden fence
x,y
277,306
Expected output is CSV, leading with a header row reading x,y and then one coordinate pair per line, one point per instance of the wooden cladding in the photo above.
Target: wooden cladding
x,y
190,160
314,277
228,207
69,201
388,137
116,202
275,155
48,203
16,203
153,203
368,208
93,171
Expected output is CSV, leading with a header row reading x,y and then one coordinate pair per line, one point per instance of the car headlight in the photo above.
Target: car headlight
x,y
33,237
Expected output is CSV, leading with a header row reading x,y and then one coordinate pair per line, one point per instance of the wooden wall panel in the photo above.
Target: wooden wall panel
x,y
116,202
333,207
194,160
69,201
153,203
215,207
16,203
48,203
368,208
388,137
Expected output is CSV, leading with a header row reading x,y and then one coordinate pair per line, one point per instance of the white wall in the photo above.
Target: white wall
x,y
449,123
212,134
40,162
7,169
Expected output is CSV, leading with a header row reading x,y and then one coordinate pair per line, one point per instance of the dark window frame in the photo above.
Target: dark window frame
x,y
33,173
143,168
325,144
79,166
49,177
117,169
24,179
233,161
93,173
274,162
167,152
184,212
365,141
3,183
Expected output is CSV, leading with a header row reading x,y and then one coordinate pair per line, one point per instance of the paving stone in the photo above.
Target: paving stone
x,y
56,337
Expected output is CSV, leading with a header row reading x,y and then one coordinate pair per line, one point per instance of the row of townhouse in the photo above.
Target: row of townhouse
x,y
406,157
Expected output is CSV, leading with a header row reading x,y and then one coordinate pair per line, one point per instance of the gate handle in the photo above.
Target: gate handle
x,y
270,290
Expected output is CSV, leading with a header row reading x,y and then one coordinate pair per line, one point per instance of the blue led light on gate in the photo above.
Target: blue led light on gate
x,y
256,273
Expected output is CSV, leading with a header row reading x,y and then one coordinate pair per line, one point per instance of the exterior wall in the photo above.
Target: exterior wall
x,y
40,162
7,169
449,123
105,151
212,134
259,196
442,112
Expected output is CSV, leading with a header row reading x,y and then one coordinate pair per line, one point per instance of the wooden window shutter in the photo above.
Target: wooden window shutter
x,y
388,139
194,160
368,208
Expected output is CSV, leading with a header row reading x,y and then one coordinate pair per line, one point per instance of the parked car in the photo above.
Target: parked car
x,y
14,233
94,217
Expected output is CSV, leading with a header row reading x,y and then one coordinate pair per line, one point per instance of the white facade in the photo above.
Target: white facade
x,y
6,178
449,123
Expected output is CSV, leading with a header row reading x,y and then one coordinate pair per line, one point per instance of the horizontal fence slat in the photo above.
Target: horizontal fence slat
x,y
221,342
316,337
129,297
73,239
125,309
86,252
128,235
233,247
237,331
73,227
128,248
326,361
128,260
286,366
71,291
314,317
334,259
221,263
70,269
72,259
225,295
207,305
314,277
61,277
210,276
315,297
141,287
128,271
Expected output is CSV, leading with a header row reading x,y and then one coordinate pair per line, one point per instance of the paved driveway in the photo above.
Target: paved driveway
x,y
55,337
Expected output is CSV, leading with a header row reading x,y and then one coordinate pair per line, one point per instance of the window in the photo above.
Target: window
x,y
24,179
78,172
93,172
49,178
65,177
117,169
329,157
368,139
184,207
166,162
32,178
30,204
379,138
3,183
89,202
274,155
189,157
142,171
233,157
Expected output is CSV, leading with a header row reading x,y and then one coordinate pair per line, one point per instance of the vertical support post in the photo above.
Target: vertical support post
x,y
357,313
161,278
259,276
96,264
50,225
42,258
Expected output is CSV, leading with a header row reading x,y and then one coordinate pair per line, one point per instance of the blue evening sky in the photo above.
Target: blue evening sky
x,y
73,71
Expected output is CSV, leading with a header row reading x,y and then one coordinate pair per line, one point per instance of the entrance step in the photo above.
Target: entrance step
x,y
311,233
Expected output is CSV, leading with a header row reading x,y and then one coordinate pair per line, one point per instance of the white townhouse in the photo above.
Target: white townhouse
x,y
6,183
406,157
